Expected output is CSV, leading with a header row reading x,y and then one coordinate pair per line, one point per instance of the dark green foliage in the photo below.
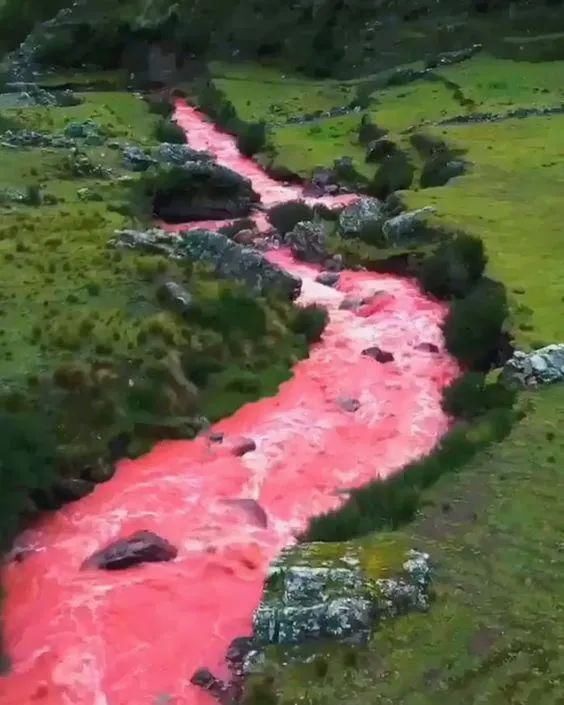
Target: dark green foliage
x,y
474,326
27,452
252,138
169,131
471,396
368,131
236,226
371,233
455,267
260,691
159,105
310,322
428,145
285,216
18,17
388,504
394,174
33,195
321,211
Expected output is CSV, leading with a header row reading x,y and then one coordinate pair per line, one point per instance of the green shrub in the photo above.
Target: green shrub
x,y
285,216
394,174
471,396
169,131
455,267
27,457
368,131
252,138
310,322
159,105
474,326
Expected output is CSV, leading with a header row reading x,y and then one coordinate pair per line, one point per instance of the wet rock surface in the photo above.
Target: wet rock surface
x,y
376,353
336,599
328,278
229,259
308,242
407,228
141,547
360,214
542,366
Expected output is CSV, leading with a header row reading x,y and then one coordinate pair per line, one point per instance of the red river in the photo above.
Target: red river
x,y
136,636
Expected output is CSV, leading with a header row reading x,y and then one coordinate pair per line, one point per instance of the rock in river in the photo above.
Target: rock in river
x,y
141,547
308,242
376,353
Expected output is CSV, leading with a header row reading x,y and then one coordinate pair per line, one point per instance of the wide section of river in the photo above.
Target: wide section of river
x,y
135,637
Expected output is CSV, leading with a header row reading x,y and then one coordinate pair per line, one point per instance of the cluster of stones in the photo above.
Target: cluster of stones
x,y
542,366
302,601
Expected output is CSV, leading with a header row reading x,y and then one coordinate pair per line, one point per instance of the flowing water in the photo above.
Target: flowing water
x,y
135,637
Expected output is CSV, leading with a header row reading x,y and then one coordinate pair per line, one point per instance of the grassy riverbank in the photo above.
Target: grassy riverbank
x,y
88,349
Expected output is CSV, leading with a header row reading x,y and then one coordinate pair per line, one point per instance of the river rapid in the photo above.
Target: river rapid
x,y
135,637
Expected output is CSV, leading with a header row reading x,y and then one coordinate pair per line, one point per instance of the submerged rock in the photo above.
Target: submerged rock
x,y
427,347
308,242
542,366
328,278
242,446
204,678
141,547
336,598
407,228
359,215
376,353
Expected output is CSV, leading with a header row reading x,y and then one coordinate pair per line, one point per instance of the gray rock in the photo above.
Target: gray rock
x,y
141,547
407,228
360,214
177,297
70,489
542,366
180,154
348,404
84,130
376,353
136,158
308,242
307,601
229,259
328,278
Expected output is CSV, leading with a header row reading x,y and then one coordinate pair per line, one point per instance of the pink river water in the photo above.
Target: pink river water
x,y
135,637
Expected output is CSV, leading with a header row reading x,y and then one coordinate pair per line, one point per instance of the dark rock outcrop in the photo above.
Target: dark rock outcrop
x,y
201,191
176,297
376,353
408,228
229,259
328,278
141,547
359,215
204,678
70,489
427,347
242,446
307,241
179,154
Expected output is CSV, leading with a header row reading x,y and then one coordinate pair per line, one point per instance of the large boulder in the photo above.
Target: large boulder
x,y
201,191
136,158
542,366
307,241
141,547
229,259
179,154
307,598
364,213
408,228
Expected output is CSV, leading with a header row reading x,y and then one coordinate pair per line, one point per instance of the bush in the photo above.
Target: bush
x,y
455,267
471,396
474,326
252,138
368,131
285,216
27,463
310,322
158,105
168,131
236,226
394,174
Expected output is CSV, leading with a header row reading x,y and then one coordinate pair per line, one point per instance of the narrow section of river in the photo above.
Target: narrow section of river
x,y
135,637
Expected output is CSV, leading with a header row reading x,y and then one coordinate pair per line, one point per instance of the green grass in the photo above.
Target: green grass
x,y
512,200
498,85
493,634
263,93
